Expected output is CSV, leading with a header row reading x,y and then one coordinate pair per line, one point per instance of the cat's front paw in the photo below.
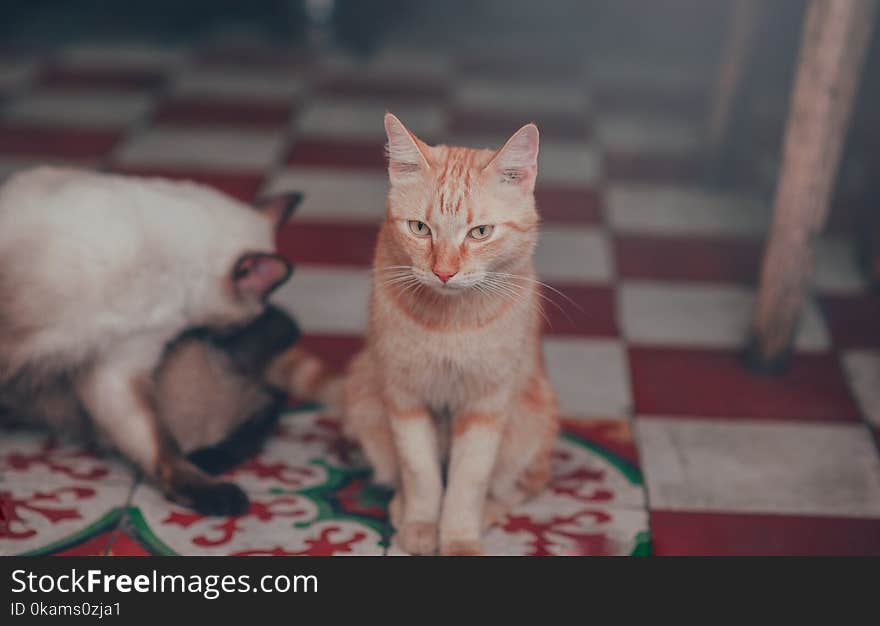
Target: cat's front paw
x,y
417,537
461,547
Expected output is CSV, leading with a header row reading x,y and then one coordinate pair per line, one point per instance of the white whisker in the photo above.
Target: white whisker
x,y
502,279
541,295
511,290
543,284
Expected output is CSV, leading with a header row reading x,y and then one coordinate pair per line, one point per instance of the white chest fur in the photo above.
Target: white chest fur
x,y
451,368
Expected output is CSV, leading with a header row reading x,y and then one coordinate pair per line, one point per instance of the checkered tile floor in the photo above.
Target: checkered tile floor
x,y
669,446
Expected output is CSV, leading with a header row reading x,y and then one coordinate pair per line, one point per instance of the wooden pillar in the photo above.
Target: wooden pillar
x,y
744,20
835,38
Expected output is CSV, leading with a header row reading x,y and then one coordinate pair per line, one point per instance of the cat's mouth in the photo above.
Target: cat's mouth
x,y
454,288
450,289
459,285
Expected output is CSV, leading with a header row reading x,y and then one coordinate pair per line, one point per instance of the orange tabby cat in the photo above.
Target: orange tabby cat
x,y
453,366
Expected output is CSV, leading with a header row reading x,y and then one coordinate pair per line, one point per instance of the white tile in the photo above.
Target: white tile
x,y
591,376
331,194
760,467
519,98
490,141
711,316
647,135
346,118
863,370
390,63
327,300
662,209
837,269
568,163
16,73
414,61
79,108
573,253
202,148
235,83
123,56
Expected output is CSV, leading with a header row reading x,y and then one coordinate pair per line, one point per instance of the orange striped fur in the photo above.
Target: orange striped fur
x,y
454,334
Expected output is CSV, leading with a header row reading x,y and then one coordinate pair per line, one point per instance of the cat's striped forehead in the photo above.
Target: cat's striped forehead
x,y
457,175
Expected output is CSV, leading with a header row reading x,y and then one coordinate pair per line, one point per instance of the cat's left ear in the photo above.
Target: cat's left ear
x,y
258,274
279,207
517,162
407,154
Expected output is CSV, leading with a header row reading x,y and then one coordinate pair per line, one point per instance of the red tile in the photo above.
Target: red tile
x,y
338,153
124,545
556,126
239,185
335,350
57,143
399,88
713,259
569,205
680,103
714,383
854,321
647,168
728,534
203,111
307,242
580,310
116,78
611,434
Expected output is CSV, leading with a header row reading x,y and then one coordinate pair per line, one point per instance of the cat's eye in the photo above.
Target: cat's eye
x,y
420,229
481,232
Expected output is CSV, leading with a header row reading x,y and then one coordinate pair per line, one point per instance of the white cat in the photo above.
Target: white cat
x,y
98,273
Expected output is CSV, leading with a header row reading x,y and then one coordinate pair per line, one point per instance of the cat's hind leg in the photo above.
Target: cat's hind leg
x,y
523,467
118,394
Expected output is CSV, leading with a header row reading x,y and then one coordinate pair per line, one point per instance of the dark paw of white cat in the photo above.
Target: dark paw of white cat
x,y
219,499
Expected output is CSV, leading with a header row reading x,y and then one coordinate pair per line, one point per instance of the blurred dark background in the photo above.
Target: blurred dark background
x,y
688,34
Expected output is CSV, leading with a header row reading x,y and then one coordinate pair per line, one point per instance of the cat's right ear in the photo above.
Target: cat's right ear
x,y
516,163
407,154
279,207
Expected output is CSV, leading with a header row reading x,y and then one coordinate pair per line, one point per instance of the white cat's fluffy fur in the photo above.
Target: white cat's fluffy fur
x,y
98,272
118,258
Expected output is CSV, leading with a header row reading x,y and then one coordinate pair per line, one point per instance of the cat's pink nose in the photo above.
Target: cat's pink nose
x,y
444,276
